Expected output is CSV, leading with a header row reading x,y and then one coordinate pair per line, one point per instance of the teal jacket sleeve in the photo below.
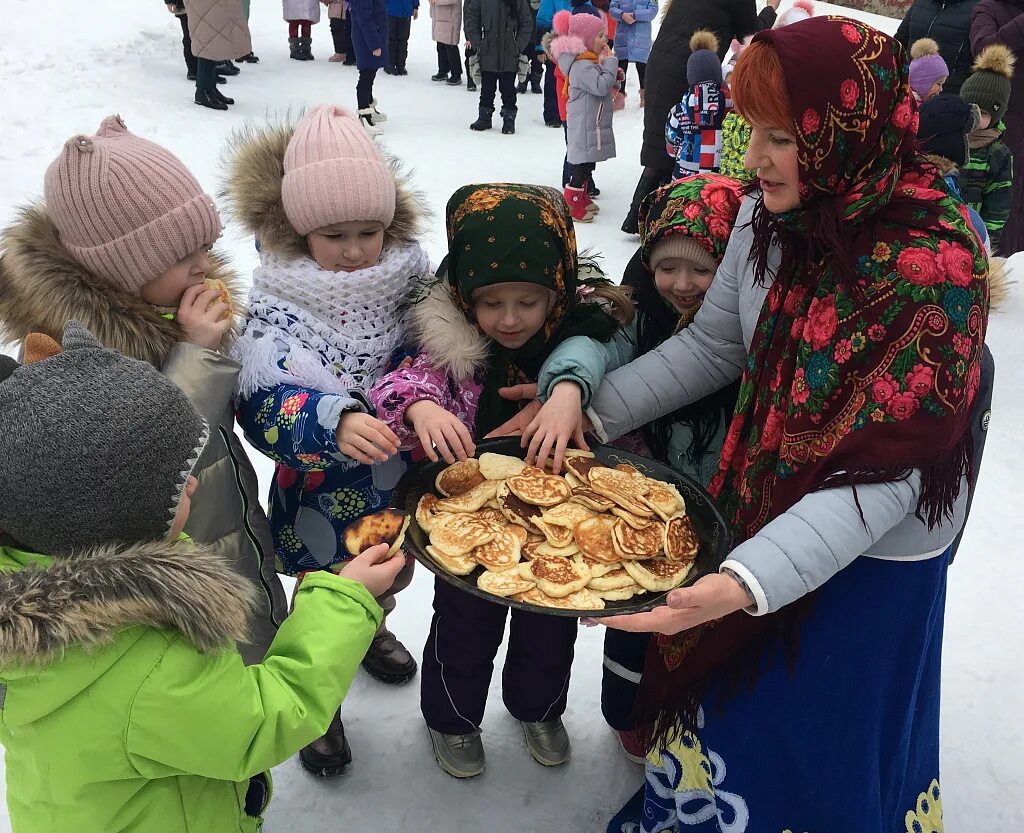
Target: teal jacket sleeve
x,y
585,361
210,715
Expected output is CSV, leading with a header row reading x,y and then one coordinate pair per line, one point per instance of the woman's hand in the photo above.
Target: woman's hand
x,y
712,597
376,53
365,439
372,569
628,18
203,317
515,426
559,420
437,427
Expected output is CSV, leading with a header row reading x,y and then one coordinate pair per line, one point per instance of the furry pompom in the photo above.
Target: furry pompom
x,y
996,58
704,39
804,5
999,283
561,22
923,47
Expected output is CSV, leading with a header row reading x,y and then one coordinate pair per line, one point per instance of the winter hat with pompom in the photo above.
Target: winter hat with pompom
x,y
800,10
989,85
926,66
584,26
334,173
126,208
703,63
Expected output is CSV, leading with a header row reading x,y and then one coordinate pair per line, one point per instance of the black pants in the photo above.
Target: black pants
x,y
491,82
186,46
624,657
398,40
458,661
641,71
550,96
449,61
206,74
581,173
364,88
341,34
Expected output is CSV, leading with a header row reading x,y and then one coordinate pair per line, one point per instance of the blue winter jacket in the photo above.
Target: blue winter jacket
x,y
401,8
369,32
633,40
547,11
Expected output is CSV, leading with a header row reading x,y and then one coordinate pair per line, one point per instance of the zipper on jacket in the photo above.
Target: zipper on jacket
x,y
248,527
931,26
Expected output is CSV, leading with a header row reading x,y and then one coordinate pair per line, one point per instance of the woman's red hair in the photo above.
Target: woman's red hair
x,y
758,87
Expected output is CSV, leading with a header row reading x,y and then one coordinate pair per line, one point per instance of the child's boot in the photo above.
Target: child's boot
x,y
367,117
461,756
388,660
294,49
328,756
378,116
508,120
548,742
306,48
483,122
337,58
580,206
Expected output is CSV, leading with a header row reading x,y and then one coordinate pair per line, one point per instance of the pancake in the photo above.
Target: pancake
x,y
621,488
634,521
616,579
459,534
637,543
537,597
581,466
459,478
664,499
427,511
557,577
557,536
539,489
586,496
493,515
546,550
385,527
501,553
516,530
500,466
594,538
599,568
515,510
567,514
457,565
225,296
582,600
579,452
534,543
471,500
629,468
657,574
621,595
506,583
680,542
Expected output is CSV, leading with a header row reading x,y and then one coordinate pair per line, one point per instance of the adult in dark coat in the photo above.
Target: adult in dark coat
x,y
499,31
948,23
1002,21
666,75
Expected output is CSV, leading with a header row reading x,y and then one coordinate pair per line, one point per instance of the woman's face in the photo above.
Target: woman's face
x,y
347,247
512,313
773,154
682,283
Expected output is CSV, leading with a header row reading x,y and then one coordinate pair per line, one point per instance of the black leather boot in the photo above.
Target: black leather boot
x,y
328,756
484,120
205,99
249,58
508,120
647,183
227,68
223,99
388,660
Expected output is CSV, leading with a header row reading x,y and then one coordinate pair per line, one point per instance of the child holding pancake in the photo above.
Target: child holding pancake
x,y
684,229
338,256
509,293
122,243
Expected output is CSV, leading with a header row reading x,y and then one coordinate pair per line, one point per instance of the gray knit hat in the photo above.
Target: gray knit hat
x,y
95,448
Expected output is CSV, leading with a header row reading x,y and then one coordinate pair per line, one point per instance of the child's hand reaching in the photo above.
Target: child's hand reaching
x,y
373,570
203,316
365,439
436,427
560,420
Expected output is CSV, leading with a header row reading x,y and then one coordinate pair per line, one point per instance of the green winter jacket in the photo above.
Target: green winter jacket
x,y
585,361
986,181
126,709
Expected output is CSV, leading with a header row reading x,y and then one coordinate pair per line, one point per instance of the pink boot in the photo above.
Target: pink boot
x,y
580,206
619,100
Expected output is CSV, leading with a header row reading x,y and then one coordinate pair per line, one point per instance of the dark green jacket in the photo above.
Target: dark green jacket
x,y
986,182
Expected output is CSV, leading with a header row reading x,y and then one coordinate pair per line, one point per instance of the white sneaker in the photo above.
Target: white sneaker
x,y
378,116
368,118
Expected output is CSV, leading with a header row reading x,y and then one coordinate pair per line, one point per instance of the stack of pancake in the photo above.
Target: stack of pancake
x,y
574,542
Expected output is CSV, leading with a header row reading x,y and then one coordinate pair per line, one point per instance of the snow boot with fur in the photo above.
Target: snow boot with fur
x,y
306,47
580,205
294,50
369,118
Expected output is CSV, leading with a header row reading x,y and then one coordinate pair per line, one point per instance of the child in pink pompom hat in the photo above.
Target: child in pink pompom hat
x,y
337,233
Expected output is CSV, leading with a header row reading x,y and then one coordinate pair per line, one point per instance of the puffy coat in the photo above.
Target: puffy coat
x,y
948,23
401,8
125,708
1002,21
666,65
547,10
369,32
301,10
41,288
500,31
633,40
218,29
446,21
589,109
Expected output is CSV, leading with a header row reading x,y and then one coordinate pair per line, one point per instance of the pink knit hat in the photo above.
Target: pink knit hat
x,y
126,208
584,26
333,173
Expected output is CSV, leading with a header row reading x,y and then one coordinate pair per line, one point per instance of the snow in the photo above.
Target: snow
x,y
62,73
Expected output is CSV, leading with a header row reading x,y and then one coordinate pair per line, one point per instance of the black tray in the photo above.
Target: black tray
x,y
707,520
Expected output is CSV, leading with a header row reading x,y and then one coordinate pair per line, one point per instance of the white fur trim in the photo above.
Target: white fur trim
x,y
443,332
567,45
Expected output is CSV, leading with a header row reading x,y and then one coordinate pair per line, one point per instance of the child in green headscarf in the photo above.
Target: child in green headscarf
x,y
510,293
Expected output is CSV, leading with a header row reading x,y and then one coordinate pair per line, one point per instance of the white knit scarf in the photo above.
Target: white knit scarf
x,y
335,331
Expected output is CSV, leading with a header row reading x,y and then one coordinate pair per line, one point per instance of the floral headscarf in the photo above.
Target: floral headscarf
x,y
867,352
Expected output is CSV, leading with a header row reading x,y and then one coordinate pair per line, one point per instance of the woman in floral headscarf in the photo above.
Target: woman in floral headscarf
x,y
798,688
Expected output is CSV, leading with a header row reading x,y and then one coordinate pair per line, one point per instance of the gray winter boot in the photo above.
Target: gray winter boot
x,y
306,47
548,742
484,121
461,756
508,120
294,50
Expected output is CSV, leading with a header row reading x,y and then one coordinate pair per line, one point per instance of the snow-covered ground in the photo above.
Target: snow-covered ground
x,y
63,68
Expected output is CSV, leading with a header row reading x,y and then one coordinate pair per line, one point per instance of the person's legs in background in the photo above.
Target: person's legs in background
x,y
507,85
454,65
551,117
470,82
341,47
186,49
442,63
488,87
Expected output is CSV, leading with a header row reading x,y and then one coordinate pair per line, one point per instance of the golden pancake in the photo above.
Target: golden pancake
x,y
582,600
606,480
664,499
457,565
637,543
506,583
629,468
573,480
588,497
225,296
540,489
580,467
557,577
536,597
472,500
579,452
427,511
500,466
515,510
385,527
459,534
599,568
594,538
681,542
535,542
500,553
547,550
657,574
493,515
621,595
567,514
517,530
634,521
617,579
459,478
557,536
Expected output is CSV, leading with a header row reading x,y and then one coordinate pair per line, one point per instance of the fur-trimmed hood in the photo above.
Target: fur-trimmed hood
x,y
441,330
86,599
252,192
571,45
42,288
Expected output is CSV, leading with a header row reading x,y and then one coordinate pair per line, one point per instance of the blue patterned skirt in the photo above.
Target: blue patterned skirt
x,y
846,743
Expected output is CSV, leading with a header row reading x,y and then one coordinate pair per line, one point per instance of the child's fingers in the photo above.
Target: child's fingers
x,y
188,297
451,434
466,437
442,446
536,437
579,438
374,554
544,453
362,450
563,441
426,444
384,440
